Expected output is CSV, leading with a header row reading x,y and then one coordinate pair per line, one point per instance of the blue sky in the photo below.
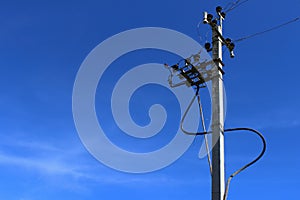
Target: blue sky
x,y
42,45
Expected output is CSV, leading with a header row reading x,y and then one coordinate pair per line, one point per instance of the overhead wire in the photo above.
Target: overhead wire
x,y
268,30
235,5
229,7
232,4
205,132
226,9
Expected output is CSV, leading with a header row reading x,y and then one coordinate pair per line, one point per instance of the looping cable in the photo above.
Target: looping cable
x,y
226,130
250,163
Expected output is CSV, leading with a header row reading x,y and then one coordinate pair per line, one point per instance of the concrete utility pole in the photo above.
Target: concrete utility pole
x,y
196,76
218,169
195,79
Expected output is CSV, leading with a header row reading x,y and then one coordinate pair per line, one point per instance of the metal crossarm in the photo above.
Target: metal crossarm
x,y
189,72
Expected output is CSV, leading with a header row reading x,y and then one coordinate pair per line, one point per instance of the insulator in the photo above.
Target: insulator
x,y
207,46
214,22
209,17
223,14
219,9
231,46
228,40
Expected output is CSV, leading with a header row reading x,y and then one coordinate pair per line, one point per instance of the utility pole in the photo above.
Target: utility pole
x,y
196,77
218,171
218,168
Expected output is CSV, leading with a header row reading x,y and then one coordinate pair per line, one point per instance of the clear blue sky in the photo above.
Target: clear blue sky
x,y
42,45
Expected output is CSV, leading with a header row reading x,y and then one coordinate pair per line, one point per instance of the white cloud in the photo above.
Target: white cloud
x,y
48,166
51,161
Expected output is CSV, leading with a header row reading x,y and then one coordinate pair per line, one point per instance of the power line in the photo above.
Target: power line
x,y
249,164
230,5
268,30
196,77
234,5
226,130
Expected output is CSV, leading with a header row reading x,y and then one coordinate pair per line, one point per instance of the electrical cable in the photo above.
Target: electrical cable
x,y
268,30
198,31
203,125
232,4
226,130
199,34
227,5
235,5
184,116
205,136
249,164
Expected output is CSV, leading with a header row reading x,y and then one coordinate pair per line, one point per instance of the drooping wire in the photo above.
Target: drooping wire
x,y
185,114
199,34
226,130
249,164
198,31
268,30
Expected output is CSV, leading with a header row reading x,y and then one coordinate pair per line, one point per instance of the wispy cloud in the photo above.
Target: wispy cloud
x,y
64,169
48,166
44,158
52,161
